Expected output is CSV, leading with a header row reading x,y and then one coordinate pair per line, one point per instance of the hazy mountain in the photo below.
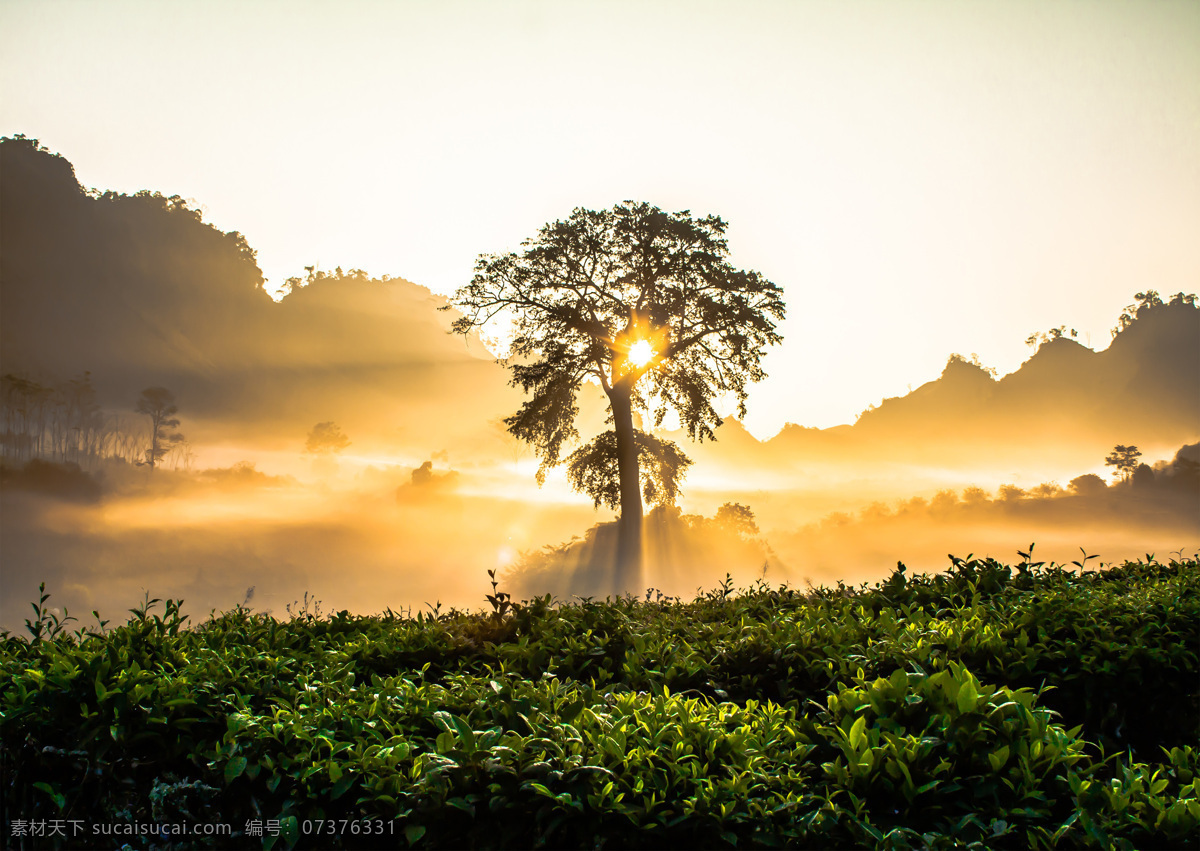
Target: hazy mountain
x,y
1148,376
140,291
113,283
1065,407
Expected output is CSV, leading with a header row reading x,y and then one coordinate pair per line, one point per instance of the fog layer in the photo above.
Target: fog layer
x,y
340,442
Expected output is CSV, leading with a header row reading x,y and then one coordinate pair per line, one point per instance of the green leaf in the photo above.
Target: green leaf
x,y
289,829
343,783
999,758
1066,825
858,733
59,799
610,746
571,711
445,742
968,697
413,832
234,768
465,734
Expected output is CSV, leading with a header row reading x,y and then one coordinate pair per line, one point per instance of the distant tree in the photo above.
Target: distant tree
x,y
24,403
1038,338
644,304
1124,458
1089,484
975,495
1142,477
181,455
974,361
737,518
158,403
1010,493
77,420
1142,302
943,502
127,440
423,475
314,275
1046,490
326,439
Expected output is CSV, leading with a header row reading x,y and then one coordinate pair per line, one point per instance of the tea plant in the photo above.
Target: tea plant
x,y
990,706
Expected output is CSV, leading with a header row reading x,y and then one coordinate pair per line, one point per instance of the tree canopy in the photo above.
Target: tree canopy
x,y
645,304
326,438
1124,458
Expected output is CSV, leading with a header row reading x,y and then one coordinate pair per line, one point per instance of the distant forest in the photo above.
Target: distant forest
x,y
62,421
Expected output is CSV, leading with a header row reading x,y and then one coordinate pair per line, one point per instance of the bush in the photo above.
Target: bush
x,y
990,706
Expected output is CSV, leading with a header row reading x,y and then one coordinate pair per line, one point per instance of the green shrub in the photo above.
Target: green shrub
x,y
988,707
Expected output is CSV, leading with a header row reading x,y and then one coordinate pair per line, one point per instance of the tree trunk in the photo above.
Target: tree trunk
x,y
627,575
153,442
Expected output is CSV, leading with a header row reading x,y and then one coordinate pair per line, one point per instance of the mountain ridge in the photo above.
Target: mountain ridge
x,y
139,290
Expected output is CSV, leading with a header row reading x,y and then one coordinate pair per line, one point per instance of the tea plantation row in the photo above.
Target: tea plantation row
x,y
991,706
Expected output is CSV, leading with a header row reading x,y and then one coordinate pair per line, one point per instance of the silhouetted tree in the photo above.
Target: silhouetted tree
x,y
1036,339
76,421
1088,484
1143,302
326,439
423,475
24,404
737,518
60,423
158,403
1142,477
645,304
1124,458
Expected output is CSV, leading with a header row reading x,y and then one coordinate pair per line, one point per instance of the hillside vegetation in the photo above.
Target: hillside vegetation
x,y
990,706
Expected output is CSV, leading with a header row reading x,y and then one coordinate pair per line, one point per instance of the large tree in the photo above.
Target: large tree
x,y
644,304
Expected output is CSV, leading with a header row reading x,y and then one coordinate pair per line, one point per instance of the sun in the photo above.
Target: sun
x,y
641,353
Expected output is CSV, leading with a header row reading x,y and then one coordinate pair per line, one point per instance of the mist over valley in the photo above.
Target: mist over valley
x,y
341,442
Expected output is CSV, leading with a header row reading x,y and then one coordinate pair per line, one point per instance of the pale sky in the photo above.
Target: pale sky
x,y
921,178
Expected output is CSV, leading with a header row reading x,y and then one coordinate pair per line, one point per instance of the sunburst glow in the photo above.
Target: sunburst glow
x,y
641,353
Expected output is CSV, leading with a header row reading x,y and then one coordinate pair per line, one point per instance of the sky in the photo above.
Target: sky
x,y
921,178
